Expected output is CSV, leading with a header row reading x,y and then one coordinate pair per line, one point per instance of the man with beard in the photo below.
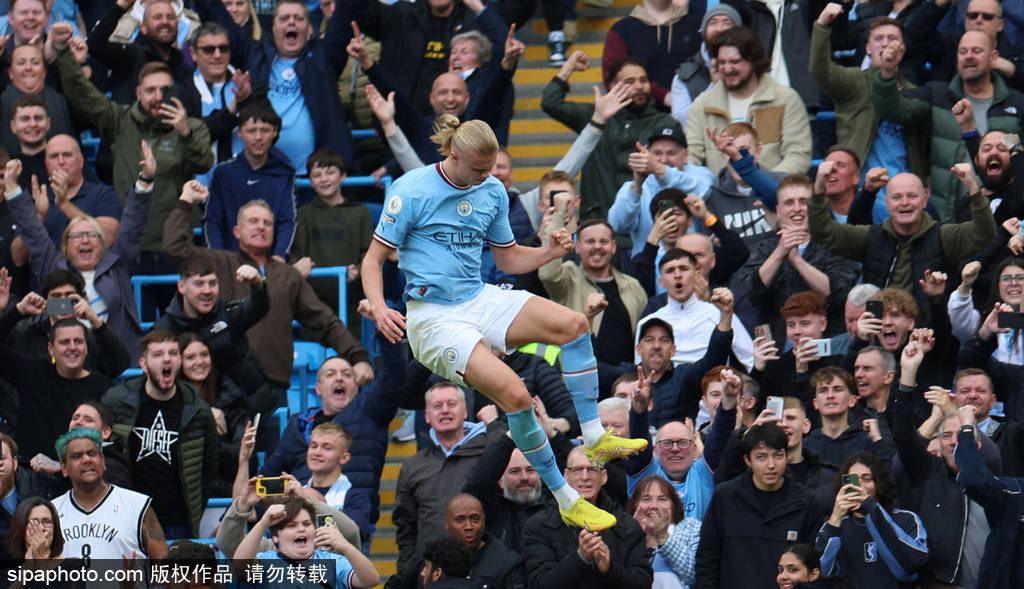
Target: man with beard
x,y
608,166
157,41
993,105
180,144
509,488
994,164
747,94
169,433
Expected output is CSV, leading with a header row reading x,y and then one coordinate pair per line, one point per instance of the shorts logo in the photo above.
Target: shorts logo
x,y
464,208
395,205
450,355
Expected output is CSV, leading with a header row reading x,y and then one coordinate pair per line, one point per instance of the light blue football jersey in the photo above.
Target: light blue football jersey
x,y
440,229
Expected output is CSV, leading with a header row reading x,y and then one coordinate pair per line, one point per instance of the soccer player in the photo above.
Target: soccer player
x,y
438,218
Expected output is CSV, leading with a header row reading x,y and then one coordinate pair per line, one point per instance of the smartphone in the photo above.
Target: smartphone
x,y
60,307
775,405
256,421
270,486
824,347
324,519
875,308
850,479
664,205
169,92
764,330
1011,320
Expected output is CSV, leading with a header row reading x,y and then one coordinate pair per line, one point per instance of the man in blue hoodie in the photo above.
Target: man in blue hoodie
x,y
261,172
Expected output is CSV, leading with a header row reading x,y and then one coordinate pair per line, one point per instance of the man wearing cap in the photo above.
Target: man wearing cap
x,y
693,76
660,165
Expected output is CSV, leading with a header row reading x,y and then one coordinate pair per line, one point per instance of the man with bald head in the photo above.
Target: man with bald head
x,y
975,100
906,247
925,36
464,521
70,195
449,93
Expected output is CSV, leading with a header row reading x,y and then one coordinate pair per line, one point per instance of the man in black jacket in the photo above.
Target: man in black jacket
x,y
957,527
222,324
754,517
491,560
557,556
158,36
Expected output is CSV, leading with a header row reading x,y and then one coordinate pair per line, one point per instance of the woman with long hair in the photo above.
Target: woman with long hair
x,y
1007,287
867,538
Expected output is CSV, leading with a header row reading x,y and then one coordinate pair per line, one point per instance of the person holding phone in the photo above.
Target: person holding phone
x,y
1007,287
866,537
297,541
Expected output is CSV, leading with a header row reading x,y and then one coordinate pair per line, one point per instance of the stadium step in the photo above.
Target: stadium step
x,y
383,548
537,142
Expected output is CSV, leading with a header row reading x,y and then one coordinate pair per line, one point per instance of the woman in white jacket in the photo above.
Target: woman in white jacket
x,y
1008,288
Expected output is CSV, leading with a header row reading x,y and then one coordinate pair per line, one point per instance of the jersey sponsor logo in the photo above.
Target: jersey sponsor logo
x,y
98,530
458,239
156,439
870,552
464,208
395,204
388,219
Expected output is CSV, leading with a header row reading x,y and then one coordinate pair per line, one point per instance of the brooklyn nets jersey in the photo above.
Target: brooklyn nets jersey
x,y
112,528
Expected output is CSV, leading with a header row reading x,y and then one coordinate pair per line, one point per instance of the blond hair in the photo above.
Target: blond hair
x,y
451,134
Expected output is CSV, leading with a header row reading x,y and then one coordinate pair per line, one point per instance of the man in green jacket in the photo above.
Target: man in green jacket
x,y
996,106
181,144
877,142
169,434
905,249
608,166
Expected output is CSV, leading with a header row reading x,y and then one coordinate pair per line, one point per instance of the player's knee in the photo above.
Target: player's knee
x,y
576,326
518,399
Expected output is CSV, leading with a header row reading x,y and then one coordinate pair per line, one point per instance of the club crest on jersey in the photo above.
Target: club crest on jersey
x,y
395,204
450,355
464,208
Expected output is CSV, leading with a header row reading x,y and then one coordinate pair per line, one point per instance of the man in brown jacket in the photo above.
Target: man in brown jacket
x,y
291,297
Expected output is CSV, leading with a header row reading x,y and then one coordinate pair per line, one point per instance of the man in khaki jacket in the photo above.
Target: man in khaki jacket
x,y
747,94
611,300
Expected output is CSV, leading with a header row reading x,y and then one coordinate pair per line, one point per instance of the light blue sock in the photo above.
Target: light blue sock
x,y
579,370
530,438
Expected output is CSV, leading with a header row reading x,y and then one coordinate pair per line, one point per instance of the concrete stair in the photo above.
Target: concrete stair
x,y
536,142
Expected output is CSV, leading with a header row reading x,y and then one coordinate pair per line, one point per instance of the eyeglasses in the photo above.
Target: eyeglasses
x,y
595,470
988,16
683,444
83,235
211,49
1008,278
46,523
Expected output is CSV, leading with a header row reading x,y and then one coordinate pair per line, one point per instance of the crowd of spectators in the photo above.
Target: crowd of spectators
x,y
797,242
